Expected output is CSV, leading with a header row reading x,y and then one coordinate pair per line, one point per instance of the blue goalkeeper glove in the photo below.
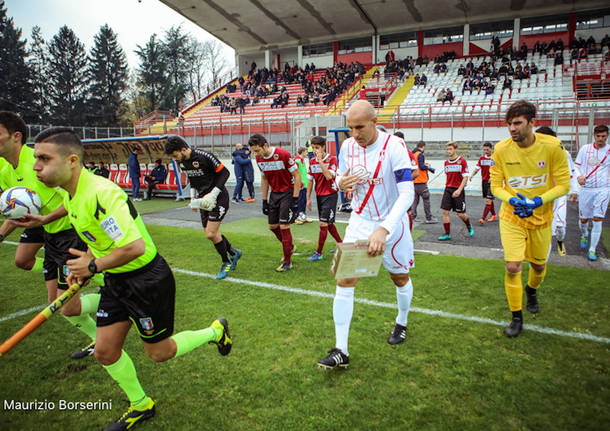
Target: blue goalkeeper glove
x,y
530,203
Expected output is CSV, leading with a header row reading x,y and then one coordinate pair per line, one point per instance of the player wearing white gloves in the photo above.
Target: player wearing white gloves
x,y
207,176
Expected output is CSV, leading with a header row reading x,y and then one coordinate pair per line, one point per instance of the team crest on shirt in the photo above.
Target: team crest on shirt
x,y
147,325
362,174
593,161
195,164
275,157
541,164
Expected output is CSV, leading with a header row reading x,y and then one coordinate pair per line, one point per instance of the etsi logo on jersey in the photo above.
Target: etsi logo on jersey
x,y
112,228
528,181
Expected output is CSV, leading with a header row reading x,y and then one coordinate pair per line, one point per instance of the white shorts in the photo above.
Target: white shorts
x,y
559,213
593,202
398,255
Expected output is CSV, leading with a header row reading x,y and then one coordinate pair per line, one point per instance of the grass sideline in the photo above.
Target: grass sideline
x,y
450,374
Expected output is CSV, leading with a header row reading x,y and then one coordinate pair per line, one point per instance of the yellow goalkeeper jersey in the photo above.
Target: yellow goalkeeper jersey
x,y
539,170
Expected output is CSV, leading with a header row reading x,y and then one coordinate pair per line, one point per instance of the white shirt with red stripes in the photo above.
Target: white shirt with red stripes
x,y
363,161
594,164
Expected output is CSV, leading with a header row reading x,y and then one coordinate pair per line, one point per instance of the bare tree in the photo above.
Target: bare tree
x,y
216,63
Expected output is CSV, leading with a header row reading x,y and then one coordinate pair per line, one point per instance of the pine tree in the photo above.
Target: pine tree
x,y
177,54
15,89
38,62
67,78
152,78
108,74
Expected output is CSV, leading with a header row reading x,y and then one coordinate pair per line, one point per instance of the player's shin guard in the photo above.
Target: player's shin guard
x,y
230,249
584,228
84,322
322,238
343,308
189,340
596,232
287,244
404,295
332,229
534,278
278,233
124,373
514,290
221,249
38,265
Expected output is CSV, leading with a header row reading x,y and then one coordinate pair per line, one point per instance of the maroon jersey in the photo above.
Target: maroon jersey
x,y
484,164
324,187
456,170
278,168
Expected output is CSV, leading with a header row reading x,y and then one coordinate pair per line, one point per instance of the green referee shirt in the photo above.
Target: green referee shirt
x,y
25,176
103,218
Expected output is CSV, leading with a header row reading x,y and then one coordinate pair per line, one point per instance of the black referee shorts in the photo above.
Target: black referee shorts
x,y
32,236
144,296
279,207
449,203
486,190
56,254
327,207
219,211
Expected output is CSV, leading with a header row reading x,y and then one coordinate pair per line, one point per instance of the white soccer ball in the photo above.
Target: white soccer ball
x,y
16,202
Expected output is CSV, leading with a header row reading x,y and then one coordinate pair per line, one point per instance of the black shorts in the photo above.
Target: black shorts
x,y
487,190
279,207
56,254
144,296
219,211
450,203
32,236
327,207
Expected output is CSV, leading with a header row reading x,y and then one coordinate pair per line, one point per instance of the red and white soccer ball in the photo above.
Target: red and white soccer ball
x,y
16,202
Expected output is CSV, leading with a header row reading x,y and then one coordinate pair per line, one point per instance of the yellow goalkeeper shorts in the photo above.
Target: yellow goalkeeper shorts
x,y
522,244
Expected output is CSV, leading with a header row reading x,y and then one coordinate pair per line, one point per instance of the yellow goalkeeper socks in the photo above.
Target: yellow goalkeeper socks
x,y
534,278
514,290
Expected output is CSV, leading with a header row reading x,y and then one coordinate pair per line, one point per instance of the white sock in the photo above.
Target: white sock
x,y
404,295
561,233
584,228
343,308
596,232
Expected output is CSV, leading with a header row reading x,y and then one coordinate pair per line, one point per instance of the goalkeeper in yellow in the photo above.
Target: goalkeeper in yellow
x,y
530,172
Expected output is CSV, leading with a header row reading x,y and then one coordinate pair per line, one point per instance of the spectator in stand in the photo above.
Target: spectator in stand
x,y
423,80
133,166
583,53
559,59
102,171
466,86
605,42
415,81
490,89
448,96
157,176
508,83
90,167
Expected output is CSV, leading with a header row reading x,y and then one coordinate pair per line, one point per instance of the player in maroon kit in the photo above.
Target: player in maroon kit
x,y
322,170
454,197
281,174
483,165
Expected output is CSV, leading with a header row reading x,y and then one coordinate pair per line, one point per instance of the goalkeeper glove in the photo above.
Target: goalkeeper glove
x,y
265,207
208,202
531,203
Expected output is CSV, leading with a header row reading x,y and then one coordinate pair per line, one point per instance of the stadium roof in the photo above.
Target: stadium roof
x,y
253,25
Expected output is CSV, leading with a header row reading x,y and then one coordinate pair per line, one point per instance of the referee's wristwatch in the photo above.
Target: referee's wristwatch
x,y
92,267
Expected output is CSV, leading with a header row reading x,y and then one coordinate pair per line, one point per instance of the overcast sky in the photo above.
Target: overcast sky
x,y
133,21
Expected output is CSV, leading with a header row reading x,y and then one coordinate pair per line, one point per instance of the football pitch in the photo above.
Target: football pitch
x,y
455,371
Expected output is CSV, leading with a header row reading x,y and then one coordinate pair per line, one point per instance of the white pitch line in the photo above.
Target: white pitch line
x,y
21,313
534,328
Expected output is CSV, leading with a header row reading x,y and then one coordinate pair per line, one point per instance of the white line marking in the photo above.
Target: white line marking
x,y
428,311
11,242
21,313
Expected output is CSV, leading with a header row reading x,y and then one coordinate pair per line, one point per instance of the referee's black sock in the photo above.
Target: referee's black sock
x,y
221,248
228,245
518,315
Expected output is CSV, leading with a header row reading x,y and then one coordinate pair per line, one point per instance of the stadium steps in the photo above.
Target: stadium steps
x,y
386,114
351,92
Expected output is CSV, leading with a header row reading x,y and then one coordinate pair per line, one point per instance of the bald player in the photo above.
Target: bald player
x,y
375,167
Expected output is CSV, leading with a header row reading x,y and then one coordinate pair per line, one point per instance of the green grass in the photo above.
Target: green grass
x,y
606,238
306,233
449,375
158,204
